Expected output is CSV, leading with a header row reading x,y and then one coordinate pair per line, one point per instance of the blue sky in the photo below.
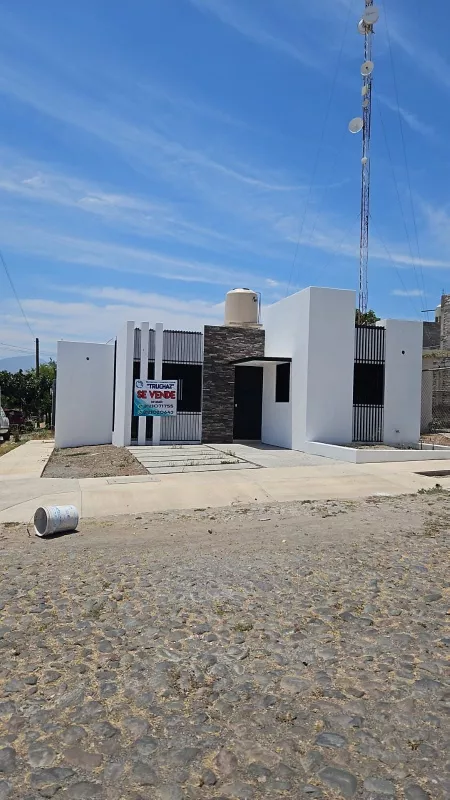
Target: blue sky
x,y
156,153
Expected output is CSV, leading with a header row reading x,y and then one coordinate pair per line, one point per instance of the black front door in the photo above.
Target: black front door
x,y
248,402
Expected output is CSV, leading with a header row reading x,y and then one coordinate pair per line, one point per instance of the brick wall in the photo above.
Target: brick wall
x,y
223,344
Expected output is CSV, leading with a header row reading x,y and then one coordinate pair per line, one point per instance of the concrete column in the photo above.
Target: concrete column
x,y
124,386
159,334
143,372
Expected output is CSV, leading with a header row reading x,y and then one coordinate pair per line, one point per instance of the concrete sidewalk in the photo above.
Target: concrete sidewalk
x,y
102,497
27,459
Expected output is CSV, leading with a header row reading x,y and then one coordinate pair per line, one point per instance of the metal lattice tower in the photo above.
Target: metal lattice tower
x,y
365,172
365,27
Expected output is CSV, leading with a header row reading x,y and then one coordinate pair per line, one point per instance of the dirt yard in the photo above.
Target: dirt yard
x,y
101,461
436,438
251,653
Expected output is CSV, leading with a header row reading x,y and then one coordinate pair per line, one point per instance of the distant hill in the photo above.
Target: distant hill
x,y
15,363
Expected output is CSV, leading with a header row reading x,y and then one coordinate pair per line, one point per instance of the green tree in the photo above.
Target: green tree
x,y
29,393
368,318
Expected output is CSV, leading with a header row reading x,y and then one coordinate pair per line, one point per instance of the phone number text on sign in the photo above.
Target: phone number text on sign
x,y
155,398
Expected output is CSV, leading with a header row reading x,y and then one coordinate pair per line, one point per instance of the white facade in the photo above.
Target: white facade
x,y
84,394
276,417
316,328
312,332
402,382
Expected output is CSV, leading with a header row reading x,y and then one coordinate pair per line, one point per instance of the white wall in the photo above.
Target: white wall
x,y
403,381
276,417
84,394
331,354
316,327
286,326
121,436
281,323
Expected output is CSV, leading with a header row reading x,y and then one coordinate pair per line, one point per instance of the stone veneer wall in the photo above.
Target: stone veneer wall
x,y
223,344
431,336
445,322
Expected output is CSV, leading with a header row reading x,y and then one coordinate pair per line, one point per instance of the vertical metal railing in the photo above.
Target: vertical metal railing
x,y
179,347
368,417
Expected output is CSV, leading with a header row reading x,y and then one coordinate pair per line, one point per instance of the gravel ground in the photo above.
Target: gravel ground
x,y
101,461
287,651
436,438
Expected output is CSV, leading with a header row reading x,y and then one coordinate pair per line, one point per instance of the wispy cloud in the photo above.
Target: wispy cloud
x,y
130,297
424,58
97,320
112,256
411,119
253,27
37,183
407,293
140,144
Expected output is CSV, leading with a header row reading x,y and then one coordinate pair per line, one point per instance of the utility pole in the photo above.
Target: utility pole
x,y
37,358
37,378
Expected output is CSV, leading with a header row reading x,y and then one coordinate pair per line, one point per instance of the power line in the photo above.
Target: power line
x,y
321,140
402,136
397,189
8,275
391,259
347,230
14,347
24,349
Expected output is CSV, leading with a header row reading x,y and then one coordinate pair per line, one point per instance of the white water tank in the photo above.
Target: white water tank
x,y
242,308
438,314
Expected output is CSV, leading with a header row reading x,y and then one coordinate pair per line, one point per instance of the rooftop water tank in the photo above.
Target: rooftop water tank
x,y
242,308
438,314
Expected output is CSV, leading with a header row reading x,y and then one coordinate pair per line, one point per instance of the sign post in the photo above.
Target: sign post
x,y
155,398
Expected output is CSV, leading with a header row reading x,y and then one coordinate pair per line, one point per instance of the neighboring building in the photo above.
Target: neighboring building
x,y
305,380
436,371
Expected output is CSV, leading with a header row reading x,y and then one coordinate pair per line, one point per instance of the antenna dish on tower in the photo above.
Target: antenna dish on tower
x,y
371,15
356,125
362,27
367,68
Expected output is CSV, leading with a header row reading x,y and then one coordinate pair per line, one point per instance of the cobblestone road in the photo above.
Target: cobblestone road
x,y
291,651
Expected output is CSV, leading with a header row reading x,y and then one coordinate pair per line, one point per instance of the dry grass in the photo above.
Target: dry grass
x,y
6,447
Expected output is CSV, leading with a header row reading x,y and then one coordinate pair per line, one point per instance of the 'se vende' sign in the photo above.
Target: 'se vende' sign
x,y
155,398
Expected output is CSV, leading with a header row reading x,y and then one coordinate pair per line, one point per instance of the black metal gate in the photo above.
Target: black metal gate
x,y
368,383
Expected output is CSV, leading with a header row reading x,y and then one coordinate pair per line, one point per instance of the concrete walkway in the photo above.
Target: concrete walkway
x,y
218,457
102,497
28,459
186,458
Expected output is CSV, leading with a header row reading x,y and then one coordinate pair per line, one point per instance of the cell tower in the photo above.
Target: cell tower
x,y
365,28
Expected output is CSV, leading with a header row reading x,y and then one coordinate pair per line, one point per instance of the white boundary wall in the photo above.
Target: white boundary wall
x,y
84,394
357,455
402,381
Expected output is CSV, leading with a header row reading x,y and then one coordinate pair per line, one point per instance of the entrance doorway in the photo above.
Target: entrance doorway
x,y
248,385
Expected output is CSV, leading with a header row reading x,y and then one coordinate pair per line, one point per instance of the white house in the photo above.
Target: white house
x,y
309,379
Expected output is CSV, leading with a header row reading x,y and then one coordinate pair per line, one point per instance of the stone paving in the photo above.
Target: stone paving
x,y
292,651
168,459
164,460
